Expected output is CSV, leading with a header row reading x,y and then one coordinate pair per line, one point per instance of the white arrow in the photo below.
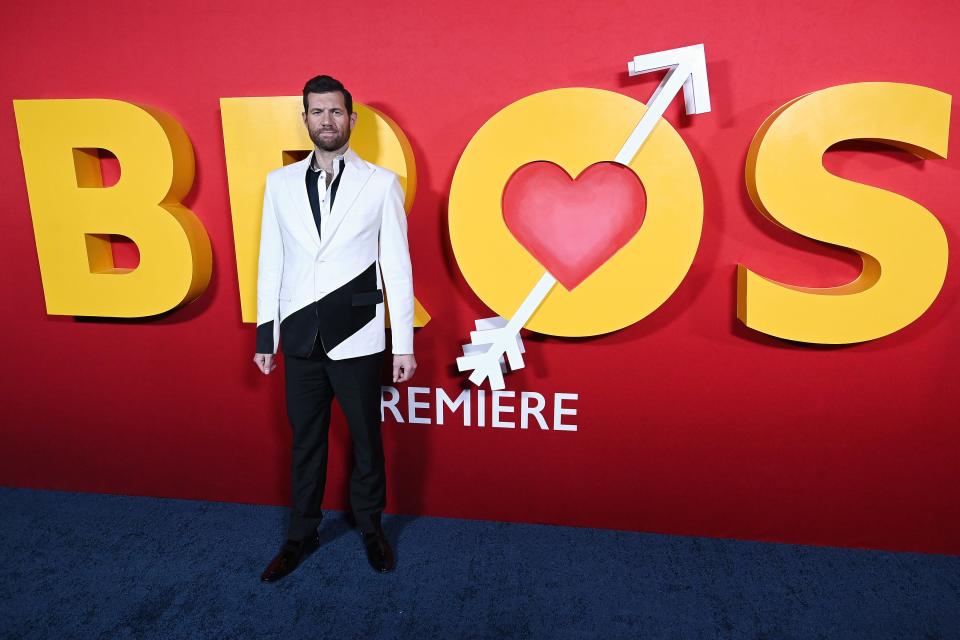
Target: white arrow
x,y
496,337
688,69
503,338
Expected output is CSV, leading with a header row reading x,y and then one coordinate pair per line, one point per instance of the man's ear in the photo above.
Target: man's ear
x,y
353,120
303,114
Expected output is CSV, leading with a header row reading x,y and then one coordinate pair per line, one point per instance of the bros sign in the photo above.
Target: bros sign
x,y
902,245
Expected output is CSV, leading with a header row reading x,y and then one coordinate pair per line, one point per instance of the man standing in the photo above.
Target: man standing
x,y
333,231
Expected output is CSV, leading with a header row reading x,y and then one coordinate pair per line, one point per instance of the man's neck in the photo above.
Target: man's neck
x,y
324,159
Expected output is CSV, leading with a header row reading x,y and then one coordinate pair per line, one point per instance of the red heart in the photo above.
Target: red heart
x,y
573,226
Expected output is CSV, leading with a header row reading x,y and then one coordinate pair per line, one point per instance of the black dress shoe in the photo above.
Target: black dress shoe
x,y
289,557
379,553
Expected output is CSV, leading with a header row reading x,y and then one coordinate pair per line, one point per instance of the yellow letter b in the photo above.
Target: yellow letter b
x,y
74,215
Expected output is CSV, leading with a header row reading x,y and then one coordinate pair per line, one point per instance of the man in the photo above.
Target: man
x,y
333,230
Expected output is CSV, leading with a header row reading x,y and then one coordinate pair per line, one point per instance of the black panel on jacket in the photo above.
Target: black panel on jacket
x,y
337,316
265,337
313,191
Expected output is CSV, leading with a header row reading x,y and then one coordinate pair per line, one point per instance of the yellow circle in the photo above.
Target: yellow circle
x,y
575,128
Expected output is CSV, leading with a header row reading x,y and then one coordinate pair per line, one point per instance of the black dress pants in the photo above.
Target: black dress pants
x,y
311,385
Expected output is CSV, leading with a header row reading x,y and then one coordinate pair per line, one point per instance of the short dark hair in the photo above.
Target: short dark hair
x,y
326,84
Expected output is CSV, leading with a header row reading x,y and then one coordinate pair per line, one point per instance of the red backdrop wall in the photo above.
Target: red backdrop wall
x,y
687,422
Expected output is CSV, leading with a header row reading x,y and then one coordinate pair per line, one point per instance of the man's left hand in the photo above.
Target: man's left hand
x,y
403,367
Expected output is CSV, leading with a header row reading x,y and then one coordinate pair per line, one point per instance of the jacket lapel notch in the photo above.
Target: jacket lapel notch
x,y
297,187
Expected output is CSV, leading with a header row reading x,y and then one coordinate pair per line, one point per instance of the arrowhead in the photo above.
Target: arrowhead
x,y
690,62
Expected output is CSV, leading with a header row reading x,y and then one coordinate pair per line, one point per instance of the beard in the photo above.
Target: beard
x,y
330,143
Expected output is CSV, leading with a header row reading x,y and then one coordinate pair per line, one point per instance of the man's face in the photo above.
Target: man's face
x,y
327,120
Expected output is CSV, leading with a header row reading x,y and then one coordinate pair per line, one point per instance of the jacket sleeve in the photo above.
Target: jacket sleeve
x,y
269,273
395,268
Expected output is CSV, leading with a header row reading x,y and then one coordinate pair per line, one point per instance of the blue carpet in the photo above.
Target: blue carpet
x,y
96,566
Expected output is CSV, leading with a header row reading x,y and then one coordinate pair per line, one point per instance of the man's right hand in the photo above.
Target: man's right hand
x,y
266,362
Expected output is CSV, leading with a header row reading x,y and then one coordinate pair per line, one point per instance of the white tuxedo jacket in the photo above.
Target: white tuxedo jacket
x,y
331,284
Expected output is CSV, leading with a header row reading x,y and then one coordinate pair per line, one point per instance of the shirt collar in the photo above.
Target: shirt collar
x,y
348,157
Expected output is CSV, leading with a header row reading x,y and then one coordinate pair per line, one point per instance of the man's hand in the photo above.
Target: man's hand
x,y
403,367
267,363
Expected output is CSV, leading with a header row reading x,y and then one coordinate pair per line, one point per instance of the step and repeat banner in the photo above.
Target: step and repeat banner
x,y
678,268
